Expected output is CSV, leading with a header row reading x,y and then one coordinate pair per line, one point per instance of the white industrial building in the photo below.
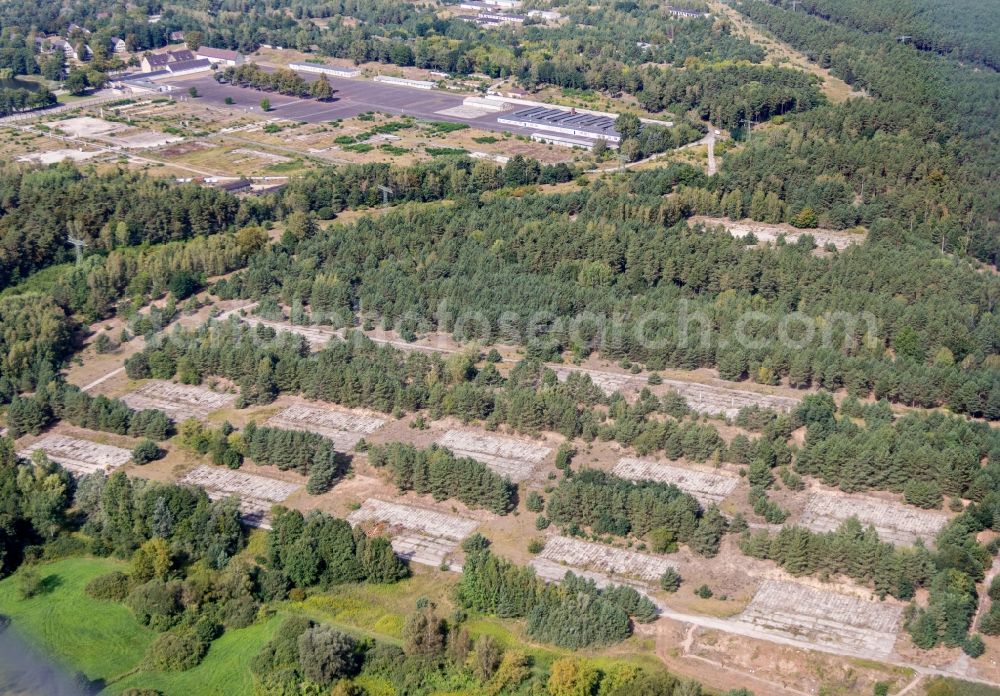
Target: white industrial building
x,y
405,82
564,140
322,69
583,125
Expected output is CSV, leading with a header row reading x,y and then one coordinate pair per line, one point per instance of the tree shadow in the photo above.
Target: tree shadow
x,y
49,583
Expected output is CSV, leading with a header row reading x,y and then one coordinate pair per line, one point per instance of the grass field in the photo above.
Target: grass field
x,y
224,670
100,639
944,686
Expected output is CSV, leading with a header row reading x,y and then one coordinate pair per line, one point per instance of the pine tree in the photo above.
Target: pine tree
x,y
670,581
758,206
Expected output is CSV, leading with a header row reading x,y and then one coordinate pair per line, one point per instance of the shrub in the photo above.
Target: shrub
x,y
990,623
326,655
994,590
146,451
973,645
113,587
240,612
176,651
564,457
535,502
535,545
156,603
705,592
476,542
29,583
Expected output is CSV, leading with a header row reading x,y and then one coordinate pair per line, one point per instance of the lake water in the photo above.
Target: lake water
x,y
14,83
24,671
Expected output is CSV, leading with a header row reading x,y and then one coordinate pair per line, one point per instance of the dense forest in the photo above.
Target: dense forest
x,y
550,271
923,150
40,208
964,29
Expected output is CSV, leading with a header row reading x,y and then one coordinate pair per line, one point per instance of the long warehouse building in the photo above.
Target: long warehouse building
x,y
566,122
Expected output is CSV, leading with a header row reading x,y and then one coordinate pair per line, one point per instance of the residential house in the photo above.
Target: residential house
x,y
69,49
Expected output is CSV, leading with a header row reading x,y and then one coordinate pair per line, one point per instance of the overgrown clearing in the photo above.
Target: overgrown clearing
x,y
863,627
417,534
584,557
178,401
707,488
706,399
81,457
896,523
257,494
515,459
317,336
765,232
343,427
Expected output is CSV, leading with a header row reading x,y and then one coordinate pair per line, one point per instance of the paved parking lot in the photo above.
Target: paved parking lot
x,y
352,97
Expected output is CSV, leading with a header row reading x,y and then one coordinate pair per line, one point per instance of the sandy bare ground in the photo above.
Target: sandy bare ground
x,y
769,233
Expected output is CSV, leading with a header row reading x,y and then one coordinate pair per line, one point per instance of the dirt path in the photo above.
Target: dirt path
x,y
984,599
835,89
102,380
725,676
748,631
911,686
